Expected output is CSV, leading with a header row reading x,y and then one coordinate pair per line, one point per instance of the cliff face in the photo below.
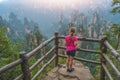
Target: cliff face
x,y
81,72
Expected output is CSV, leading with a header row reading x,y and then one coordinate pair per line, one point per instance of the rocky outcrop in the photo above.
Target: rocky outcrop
x,y
81,72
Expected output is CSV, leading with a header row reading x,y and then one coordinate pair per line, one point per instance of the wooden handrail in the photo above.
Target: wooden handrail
x,y
19,61
41,70
56,48
114,52
83,50
19,77
107,72
10,65
25,66
102,59
104,45
81,59
41,59
39,47
112,65
83,39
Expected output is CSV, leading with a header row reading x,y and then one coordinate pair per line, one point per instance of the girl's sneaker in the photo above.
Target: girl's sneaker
x,y
68,70
71,70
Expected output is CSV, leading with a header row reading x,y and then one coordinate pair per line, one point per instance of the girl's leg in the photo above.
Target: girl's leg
x,y
67,62
71,62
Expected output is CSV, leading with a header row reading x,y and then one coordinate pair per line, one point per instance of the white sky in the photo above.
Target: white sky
x,y
58,3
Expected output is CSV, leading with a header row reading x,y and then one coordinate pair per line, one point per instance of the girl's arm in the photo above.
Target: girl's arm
x,y
76,41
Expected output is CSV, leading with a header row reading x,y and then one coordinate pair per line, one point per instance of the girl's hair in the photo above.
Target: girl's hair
x,y
72,31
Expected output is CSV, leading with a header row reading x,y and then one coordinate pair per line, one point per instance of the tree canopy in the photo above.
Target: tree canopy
x,y
116,5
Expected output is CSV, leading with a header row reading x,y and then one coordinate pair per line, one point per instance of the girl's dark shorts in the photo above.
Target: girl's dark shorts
x,y
71,53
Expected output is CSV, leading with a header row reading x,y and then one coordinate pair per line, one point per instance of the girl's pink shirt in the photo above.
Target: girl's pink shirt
x,y
70,44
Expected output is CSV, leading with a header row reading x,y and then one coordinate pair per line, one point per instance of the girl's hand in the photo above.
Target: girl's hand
x,y
75,43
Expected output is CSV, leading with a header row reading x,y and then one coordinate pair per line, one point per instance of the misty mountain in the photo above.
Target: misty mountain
x,y
17,29
48,18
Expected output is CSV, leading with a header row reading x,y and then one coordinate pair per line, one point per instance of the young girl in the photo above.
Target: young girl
x,y
71,43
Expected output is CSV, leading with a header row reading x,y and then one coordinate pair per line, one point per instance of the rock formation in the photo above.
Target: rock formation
x,y
81,72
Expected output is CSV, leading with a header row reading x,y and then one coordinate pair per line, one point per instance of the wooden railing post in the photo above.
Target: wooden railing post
x,y
25,66
103,61
56,48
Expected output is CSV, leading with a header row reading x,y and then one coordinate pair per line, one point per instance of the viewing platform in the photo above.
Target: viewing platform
x,y
81,72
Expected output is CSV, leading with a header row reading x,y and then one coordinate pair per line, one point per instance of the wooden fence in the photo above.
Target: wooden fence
x,y
26,69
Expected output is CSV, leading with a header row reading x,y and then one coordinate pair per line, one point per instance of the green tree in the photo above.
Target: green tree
x,y
8,53
116,28
116,32
116,4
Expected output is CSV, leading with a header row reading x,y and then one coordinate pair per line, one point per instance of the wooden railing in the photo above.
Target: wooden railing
x,y
26,69
24,57
104,46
